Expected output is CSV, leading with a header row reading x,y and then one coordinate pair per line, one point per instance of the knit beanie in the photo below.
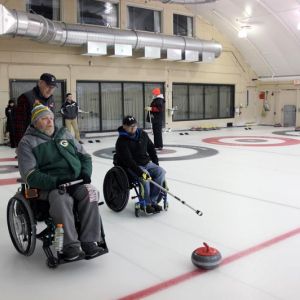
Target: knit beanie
x,y
156,92
39,110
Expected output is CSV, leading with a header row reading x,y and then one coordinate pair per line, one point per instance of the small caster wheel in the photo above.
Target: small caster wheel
x,y
52,262
166,206
137,212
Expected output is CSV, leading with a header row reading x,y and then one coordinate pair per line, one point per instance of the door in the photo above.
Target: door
x,y
289,115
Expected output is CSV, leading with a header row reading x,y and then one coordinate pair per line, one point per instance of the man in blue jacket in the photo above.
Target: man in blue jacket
x,y
135,151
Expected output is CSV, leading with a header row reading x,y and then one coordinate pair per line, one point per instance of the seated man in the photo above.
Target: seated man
x,y
48,157
135,151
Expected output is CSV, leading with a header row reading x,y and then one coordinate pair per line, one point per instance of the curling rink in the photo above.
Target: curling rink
x,y
246,183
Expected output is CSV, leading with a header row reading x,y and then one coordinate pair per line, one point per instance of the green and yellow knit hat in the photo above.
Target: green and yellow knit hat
x,y
39,110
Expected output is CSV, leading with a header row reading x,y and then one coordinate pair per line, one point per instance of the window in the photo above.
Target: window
x,y
203,101
18,87
182,25
49,9
108,103
95,12
144,19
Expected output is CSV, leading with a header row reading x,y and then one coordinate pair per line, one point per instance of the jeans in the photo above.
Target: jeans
x,y
151,192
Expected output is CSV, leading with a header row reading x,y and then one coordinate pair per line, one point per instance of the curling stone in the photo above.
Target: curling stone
x,y
206,257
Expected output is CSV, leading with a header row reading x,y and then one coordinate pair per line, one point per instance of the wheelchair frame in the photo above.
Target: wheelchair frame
x,y
22,223
118,177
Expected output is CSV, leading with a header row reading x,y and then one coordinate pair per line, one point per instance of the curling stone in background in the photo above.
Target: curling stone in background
x,y
206,257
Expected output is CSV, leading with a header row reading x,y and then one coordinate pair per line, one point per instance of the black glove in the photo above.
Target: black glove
x,y
86,178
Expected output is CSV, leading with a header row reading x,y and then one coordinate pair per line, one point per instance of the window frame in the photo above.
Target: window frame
x,y
192,24
205,103
146,100
147,9
80,17
28,6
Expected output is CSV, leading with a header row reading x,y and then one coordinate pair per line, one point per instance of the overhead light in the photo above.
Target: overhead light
x,y
248,11
298,26
243,32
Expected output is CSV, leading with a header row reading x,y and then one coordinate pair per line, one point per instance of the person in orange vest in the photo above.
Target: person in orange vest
x,y
156,116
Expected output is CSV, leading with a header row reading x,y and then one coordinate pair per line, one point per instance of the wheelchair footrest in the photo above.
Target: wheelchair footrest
x,y
103,251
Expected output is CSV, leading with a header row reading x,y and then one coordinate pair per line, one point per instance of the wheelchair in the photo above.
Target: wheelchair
x,y
116,189
24,211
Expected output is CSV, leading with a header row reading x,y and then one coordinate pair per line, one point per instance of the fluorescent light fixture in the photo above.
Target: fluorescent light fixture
x,y
243,33
279,78
298,26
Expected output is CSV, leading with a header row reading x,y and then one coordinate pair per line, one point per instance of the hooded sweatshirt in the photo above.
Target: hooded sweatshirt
x,y
135,150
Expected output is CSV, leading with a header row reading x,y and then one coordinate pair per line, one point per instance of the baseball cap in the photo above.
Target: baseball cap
x,y
49,79
129,120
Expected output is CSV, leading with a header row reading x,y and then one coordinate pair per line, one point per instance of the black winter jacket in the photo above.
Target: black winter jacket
x,y
134,151
69,110
10,112
157,110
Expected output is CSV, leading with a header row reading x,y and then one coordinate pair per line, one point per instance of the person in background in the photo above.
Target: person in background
x,y
10,112
69,111
41,93
156,111
48,157
135,151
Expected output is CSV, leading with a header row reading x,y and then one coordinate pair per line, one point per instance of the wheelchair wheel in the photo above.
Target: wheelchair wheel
x,y
162,193
116,189
21,225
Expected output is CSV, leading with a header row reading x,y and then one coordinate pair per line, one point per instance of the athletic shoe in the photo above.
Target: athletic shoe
x,y
91,249
149,209
72,252
157,207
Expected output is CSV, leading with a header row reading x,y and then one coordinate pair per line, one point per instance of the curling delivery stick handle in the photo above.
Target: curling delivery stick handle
x,y
64,185
197,211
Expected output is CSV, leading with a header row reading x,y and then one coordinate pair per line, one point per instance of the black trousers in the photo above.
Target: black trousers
x,y
12,139
157,132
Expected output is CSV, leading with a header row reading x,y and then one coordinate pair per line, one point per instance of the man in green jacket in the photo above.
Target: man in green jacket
x,y
49,157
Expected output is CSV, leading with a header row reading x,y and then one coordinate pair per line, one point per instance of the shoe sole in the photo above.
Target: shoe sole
x,y
79,256
99,253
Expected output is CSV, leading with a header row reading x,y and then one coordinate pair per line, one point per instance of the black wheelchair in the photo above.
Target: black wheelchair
x,y
116,189
24,211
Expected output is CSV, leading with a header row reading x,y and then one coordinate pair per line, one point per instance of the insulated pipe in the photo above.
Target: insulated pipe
x,y
36,27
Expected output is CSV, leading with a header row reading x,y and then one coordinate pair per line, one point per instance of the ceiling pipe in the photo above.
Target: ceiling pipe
x,y
36,27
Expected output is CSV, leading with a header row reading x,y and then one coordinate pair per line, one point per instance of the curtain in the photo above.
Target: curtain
x,y
88,101
111,105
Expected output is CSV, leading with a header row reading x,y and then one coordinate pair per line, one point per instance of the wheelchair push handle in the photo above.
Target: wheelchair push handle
x,y
197,211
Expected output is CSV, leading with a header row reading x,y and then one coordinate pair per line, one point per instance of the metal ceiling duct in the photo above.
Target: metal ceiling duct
x,y
36,27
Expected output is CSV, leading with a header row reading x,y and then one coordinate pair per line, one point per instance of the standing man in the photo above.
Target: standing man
x,y
135,151
156,110
10,112
69,111
41,93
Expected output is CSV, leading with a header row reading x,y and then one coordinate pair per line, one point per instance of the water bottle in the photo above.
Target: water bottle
x,y
59,237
